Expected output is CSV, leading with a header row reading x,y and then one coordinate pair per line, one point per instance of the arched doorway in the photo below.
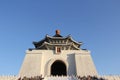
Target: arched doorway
x,y
58,68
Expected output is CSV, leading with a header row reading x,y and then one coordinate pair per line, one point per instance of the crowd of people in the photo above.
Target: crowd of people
x,y
32,78
78,77
90,78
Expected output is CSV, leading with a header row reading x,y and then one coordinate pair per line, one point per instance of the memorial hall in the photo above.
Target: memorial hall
x,y
58,57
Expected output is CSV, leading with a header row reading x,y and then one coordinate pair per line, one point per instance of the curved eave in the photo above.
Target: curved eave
x,y
40,42
46,39
70,44
76,47
41,45
79,43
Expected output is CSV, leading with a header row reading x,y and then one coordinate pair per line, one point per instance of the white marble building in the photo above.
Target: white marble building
x,y
58,58
57,55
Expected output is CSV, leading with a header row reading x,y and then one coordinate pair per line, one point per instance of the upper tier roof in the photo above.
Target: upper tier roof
x,y
49,42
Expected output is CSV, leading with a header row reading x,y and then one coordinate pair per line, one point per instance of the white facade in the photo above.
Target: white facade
x,y
54,53
38,62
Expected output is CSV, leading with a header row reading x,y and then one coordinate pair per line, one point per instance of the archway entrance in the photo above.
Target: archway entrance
x,y
58,68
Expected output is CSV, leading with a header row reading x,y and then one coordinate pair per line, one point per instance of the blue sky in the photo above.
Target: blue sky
x,y
96,23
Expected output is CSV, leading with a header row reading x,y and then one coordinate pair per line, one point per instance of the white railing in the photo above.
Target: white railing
x,y
9,77
111,77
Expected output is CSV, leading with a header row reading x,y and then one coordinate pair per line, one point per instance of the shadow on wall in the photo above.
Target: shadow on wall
x,y
72,64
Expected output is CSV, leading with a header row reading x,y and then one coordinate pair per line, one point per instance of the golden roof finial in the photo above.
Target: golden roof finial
x,y
58,32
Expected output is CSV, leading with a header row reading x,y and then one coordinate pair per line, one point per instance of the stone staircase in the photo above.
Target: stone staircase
x,y
61,78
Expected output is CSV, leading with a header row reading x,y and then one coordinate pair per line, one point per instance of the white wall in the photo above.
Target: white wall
x,y
37,62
